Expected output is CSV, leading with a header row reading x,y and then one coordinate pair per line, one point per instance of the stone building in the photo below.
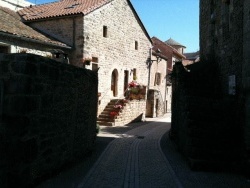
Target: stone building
x,y
16,37
191,57
104,35
158,97
177,52
171,54
210,120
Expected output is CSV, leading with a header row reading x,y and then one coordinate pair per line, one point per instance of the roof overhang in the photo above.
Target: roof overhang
x,y
4,34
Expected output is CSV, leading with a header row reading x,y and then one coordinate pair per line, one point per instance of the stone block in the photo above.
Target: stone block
x,y
54,73
18,85
44,70
4,67
24,68
21,105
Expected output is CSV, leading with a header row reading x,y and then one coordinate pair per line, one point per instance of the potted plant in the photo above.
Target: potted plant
x,y
136,90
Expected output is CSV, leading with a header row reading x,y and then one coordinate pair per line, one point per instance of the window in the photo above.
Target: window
x,y
95,59
94,63
105,31
136,45
94,67
134,74
157,78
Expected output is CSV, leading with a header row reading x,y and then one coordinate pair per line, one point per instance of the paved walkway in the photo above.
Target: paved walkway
x,y
135,159
140,155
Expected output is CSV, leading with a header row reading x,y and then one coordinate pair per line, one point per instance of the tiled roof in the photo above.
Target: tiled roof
x,y
11,24
155,53
172,42
192,55
165,48
61,8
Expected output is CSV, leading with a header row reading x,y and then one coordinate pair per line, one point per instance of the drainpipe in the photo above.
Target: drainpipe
x,y
165,110
74,33
149,67
1,99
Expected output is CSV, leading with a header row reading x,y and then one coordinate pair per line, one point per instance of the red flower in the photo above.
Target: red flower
x,y
113,114
133,84
118,106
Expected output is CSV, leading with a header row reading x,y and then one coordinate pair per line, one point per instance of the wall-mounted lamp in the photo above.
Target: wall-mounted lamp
x,y
157,55
59,55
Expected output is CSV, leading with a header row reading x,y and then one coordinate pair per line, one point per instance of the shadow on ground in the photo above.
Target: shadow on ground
x,y
213,177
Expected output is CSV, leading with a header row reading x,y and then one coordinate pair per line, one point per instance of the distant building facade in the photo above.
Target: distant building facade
x,y
192,57
175,52
158,97
172,51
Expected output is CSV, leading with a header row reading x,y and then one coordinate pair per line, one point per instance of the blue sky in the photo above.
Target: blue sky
x,y
178,19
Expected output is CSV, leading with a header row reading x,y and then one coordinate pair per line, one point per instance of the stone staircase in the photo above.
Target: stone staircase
x,y
104,118
131,111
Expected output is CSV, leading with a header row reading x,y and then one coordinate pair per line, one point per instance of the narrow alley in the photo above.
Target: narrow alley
x,y
140,155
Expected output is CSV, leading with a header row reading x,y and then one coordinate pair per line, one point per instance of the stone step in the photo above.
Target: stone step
x,y
102,123
106,112
115,100
111,108
104,115
105,119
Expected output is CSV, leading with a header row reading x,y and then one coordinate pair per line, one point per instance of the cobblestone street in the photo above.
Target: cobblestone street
x,y
141,155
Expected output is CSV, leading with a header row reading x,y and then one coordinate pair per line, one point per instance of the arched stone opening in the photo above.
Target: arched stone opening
x,y
114,83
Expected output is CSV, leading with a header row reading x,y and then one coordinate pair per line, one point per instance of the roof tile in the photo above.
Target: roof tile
x,y
10,23
164,47
60,8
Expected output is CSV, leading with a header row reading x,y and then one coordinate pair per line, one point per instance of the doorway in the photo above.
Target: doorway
x,y
126,74
114,83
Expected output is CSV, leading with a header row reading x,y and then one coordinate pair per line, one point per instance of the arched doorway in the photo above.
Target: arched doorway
x,y
114,82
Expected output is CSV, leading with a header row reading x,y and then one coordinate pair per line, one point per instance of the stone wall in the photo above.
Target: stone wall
x,y
224,40
161,95
155,104
203,120
133,111
47,117
68,30
221,39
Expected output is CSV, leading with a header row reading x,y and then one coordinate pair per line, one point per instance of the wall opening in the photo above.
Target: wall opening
x,y
136,45
126,74
114,83
105,31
